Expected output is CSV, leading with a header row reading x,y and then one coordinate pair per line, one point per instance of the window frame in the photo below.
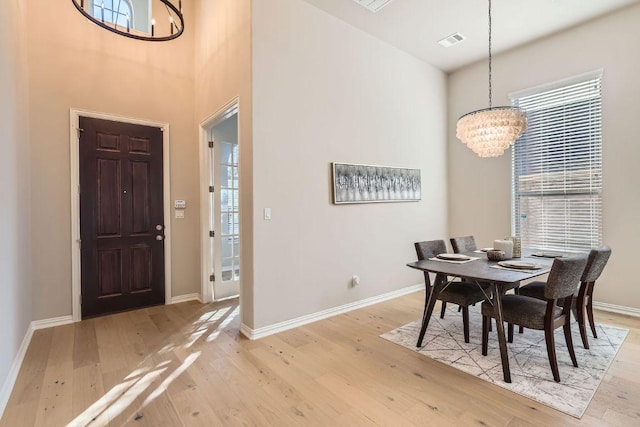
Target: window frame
x,y
572,184
96,5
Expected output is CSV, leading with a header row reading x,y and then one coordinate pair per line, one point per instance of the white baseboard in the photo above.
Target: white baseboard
x,y
50,323
620,309
185,298
7,387
10,381
254,334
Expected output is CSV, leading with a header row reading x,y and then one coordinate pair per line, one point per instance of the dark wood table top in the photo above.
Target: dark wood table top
x,y
481,269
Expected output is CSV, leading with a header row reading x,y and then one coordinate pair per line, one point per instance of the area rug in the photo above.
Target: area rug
x,y
530,371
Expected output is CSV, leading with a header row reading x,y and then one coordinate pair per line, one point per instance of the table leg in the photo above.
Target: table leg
x,y
497,311
437,286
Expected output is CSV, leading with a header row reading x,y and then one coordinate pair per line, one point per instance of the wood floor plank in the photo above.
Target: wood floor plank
x,y
85,344
55,405
87,389
194,408
29,381
187,365
364,403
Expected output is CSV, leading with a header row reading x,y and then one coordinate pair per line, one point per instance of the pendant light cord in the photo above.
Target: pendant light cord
x,y
490,95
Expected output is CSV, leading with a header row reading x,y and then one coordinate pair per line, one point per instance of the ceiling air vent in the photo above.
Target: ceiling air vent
x,y
449,41
373,5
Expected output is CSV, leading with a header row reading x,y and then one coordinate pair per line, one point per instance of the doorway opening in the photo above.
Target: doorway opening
x,y
221,206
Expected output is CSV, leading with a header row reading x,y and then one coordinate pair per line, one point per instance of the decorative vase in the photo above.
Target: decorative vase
x,y
504,245
517,246
496,255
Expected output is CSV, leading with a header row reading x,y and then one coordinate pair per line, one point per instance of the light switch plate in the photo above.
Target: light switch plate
x,y
267,213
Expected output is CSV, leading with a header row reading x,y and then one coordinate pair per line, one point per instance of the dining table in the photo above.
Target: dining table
x,y
479,270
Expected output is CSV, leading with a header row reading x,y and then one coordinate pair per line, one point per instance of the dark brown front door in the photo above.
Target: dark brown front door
x,y
121,216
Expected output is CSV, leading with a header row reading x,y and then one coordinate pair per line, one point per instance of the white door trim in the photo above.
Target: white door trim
x,y
75,199
206,262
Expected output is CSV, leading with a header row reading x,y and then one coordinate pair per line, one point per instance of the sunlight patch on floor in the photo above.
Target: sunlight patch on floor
x,y
167,381
123,396
116,400
214,334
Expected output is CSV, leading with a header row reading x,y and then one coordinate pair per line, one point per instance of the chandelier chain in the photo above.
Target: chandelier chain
x,y
490,131
490,88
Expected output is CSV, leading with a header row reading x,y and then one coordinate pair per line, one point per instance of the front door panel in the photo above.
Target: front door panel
x,y
121,216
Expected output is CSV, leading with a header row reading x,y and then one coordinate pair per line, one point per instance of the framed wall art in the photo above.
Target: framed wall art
x,y
353,183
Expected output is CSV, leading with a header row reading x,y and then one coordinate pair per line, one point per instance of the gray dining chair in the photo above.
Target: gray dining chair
x,y
546,315
468,244
583,296
460,245
463,244
461,293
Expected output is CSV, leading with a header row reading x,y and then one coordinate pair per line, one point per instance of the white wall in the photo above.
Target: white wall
x,y
479,189
324,91
222,73
15,303
76,64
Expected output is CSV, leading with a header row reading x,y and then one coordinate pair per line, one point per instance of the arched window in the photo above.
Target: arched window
x,y
115,11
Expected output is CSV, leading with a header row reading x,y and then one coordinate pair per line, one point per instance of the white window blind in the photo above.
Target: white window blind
x,y
557,167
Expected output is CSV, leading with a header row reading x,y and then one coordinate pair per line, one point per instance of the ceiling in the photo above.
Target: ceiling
x,y
415,26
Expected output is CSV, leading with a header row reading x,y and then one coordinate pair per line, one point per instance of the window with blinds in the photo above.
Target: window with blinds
x,y
557,166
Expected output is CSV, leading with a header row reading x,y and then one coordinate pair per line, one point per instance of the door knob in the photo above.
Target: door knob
x,y
159,237
159,227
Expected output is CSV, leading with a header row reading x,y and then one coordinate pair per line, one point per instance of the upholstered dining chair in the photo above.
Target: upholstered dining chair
x,y
463,244
544,315
461,293
468,244
460,245
582,298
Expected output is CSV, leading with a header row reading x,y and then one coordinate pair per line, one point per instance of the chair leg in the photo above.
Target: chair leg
x,y
443,308
551,353
520,329
591,321
465,323
579,313
510,332
459,308
569,340
490,324
485,334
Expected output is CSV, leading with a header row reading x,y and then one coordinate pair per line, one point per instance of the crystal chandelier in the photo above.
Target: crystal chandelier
x,y
136,19
490,131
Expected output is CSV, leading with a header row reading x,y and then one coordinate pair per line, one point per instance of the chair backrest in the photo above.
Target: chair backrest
x,y
564,276
598,258
429,249
463,244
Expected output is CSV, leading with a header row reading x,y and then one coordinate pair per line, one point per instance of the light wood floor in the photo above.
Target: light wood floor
x,y
187,364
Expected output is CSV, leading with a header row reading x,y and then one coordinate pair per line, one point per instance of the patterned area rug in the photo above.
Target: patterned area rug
x,y
530,371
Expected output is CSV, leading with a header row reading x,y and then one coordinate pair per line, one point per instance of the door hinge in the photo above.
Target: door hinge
x,y
212,234
212,278
80,130
211,189
210,144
